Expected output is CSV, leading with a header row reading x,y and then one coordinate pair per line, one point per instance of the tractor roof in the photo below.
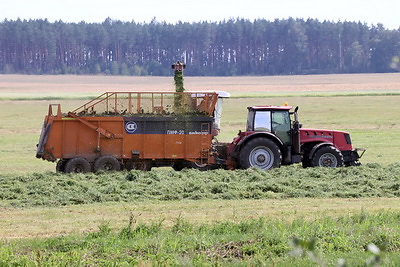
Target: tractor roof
x,y
270,108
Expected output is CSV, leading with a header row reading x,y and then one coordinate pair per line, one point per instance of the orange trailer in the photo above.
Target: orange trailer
x,y
132,130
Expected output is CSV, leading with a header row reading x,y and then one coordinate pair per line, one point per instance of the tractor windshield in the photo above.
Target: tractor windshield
x,y
262,121
259,121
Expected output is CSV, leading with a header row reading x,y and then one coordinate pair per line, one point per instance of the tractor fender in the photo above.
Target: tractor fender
x,y
317,146
255,135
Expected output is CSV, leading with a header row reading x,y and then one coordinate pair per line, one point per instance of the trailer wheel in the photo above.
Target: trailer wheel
x,y
200,166
60,167
141,165
77,165
180,165
327,156
106,163
261,153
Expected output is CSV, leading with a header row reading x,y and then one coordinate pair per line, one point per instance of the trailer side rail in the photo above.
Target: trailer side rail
x,y
128,103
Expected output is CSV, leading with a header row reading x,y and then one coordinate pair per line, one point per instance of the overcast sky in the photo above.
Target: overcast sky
x,y
386,12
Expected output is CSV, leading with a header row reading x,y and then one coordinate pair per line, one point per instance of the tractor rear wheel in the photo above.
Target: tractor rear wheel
x,y
77,165
327,156
261,153
106,163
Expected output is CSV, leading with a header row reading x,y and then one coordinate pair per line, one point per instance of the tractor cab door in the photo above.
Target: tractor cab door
x,y
280,122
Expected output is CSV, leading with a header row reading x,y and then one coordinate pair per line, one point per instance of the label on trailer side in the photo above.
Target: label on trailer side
x,y
130,127
168,125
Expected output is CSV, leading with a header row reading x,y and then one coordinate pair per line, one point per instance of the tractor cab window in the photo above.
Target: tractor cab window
x,y
250,120
262,121
281,120
281,125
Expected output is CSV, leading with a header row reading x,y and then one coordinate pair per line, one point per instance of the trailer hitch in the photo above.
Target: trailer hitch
x,y
362,150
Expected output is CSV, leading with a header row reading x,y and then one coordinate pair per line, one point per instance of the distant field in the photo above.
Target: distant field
x,y
364,104
72,86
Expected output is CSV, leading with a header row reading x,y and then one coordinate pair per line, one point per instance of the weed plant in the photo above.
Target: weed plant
x,y
56,189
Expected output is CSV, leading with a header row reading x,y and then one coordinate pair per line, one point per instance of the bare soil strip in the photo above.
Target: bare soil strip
x,y
53,84
47,222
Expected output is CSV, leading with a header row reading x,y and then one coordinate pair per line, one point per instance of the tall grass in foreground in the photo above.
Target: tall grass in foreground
x,y
357,240
55,189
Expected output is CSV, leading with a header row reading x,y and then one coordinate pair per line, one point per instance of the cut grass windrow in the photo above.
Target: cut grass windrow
x,y
55,189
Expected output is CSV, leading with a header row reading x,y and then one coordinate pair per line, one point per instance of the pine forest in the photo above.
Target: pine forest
x,y
225,48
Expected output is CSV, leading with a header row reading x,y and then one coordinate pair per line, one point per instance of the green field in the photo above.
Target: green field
x,y
371,120
212,218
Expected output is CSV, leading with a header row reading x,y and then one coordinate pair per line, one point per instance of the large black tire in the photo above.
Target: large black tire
x,y
180,165
306,161
77,165
354,163
60,167
327,156
141,165
261,153
201,166
106,163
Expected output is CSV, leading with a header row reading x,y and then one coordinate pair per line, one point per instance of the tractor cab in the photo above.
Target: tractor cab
x,y
272,119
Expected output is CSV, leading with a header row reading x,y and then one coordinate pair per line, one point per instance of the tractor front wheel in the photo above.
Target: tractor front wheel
x,y
260,153
327,156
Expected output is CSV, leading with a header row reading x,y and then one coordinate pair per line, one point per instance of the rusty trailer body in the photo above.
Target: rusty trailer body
x,y
134,130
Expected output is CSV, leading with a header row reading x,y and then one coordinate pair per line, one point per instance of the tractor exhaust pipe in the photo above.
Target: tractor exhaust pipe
x,y
296,132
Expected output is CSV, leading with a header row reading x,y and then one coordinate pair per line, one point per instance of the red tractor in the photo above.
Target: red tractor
x,y
274,137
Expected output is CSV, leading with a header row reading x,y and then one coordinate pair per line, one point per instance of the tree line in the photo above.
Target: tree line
x,y
228,47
